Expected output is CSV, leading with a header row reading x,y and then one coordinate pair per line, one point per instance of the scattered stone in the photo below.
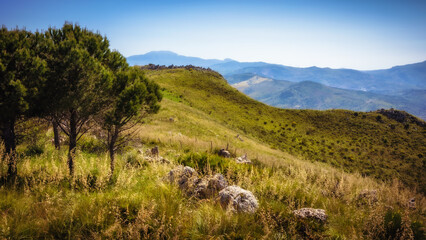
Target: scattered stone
x,y
224,153
209,186
239,138
368,195
156,159
412,203
234,198
243,159
201,188
154,151
184,177
188,181
311,213
218,182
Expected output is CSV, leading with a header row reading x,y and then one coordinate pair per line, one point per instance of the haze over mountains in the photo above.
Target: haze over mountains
x,y
400,87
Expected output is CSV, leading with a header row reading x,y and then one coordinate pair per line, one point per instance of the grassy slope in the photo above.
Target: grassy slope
x,y
140,203
344,139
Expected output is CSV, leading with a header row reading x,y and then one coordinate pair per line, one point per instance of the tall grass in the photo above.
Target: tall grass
x,y
138,202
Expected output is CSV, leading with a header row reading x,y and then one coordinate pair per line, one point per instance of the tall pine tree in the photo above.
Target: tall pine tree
x,y
22,72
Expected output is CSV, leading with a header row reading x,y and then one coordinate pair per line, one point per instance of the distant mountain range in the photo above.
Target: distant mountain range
x,y
312,95
400,87
170,58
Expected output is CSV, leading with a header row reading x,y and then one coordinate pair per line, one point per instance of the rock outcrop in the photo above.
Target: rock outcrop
x,y
184,177
224,153
209,186
311,213
243,159
369,196
189,182
234,198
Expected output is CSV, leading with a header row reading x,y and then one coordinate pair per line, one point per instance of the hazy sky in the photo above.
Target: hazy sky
x,y
360,34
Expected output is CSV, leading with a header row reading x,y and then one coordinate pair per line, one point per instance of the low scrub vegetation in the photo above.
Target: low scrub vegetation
x,y
368,143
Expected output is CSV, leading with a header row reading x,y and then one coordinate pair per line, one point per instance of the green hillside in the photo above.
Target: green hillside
x,y
368,143
200,113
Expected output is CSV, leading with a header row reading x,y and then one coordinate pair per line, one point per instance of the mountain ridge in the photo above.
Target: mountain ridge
x,y
393,87
313,95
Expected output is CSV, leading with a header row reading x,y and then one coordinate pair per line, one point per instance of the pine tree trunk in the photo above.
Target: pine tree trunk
x,y
111,147
56,134
112,158
10,145
72,141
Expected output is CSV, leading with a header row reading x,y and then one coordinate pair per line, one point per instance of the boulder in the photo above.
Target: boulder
x,y
218,182
201,190
189,182
412,203
311,213
243,159
184,177
209,186
156,159
369,196
224,153
236,199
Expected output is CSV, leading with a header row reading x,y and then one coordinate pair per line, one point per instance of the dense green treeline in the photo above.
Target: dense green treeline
x,y
70,77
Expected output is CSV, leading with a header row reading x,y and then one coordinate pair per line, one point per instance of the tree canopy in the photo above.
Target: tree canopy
x,y
22,71
71,75
132,95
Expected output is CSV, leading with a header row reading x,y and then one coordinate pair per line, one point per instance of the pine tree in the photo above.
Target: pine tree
x,y
132,98
78,80
21,75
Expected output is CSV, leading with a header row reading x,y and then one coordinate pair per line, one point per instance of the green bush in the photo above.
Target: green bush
x,y
91,145
393,224
34,150
133,159
418,230
204,162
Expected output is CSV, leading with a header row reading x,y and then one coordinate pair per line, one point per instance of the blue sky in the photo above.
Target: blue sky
x,y
357,34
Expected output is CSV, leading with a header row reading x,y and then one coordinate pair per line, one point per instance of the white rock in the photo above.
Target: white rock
x,y
318,214
234,198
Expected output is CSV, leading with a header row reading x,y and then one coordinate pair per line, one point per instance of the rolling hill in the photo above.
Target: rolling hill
x,y
355,141
382,88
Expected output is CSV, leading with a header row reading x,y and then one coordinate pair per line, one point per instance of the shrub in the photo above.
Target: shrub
x,y
91,145
34,150
133,159
204,162
392,225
